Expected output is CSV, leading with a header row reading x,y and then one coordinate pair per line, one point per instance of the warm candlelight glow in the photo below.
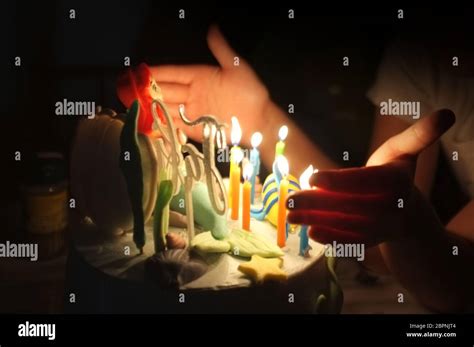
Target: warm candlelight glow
x,y
256,139
304,184
237,156
247,171
304,178
283,166
283,133
206,131
236,132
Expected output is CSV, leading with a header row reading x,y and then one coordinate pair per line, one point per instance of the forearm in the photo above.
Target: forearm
x,y
300,150
425,260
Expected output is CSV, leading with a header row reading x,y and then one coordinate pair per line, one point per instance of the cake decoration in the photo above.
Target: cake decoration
x,y
138,84
173,268
245,244
261,269
204,214
169,191
239,243
131,166
269,209
204,242
175,241
161,220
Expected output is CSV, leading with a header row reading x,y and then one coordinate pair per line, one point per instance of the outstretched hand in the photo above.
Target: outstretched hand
x,y
224,91
362,205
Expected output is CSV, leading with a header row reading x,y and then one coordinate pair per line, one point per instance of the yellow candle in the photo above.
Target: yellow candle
x,y
232,164
246,192
235,136
282,195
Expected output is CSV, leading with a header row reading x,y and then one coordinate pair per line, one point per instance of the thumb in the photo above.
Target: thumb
x,y
414,139
220,48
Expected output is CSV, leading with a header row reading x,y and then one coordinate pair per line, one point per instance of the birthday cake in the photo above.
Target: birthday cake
x,y
155,211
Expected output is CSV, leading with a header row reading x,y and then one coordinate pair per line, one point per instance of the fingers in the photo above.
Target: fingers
x,y
220,48
327,235
414,139
337,220
174,93
385,179
358,204
183,74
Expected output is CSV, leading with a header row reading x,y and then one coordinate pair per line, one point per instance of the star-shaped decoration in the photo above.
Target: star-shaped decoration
x,y
263,269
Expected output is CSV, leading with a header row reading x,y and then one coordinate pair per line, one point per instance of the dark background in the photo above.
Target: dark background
x,y
300,61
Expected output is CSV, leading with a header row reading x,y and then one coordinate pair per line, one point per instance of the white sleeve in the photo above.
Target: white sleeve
x,y
406,73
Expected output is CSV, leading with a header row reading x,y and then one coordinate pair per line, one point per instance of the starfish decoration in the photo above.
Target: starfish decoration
x,y
263,269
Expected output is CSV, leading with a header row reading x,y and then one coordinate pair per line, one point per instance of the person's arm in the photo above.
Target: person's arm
x,y
432,261
384,128
425,255
387,126
227,90
360,205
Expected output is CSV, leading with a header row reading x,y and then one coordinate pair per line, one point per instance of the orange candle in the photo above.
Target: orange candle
x,y
234,183
282,195
246,193
235,189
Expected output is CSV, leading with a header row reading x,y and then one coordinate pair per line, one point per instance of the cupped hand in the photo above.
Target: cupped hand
x,y
223,91
368,204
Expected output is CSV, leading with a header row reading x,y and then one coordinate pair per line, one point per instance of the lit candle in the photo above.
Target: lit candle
x,y
235,136
256,140
304,184
282,195
246,190
235,183
280,146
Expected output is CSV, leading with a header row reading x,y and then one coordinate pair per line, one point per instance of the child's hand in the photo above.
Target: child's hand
x,y
224,91
361,205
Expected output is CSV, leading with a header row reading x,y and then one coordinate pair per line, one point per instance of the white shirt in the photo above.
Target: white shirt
x,y
413,72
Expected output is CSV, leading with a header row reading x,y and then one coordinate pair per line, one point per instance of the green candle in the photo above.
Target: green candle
x,y
280,146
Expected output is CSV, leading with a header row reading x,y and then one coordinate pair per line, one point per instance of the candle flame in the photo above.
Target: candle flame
x,y
256,139
283,165
236,132
248,171
206,131
283,133
237,155
304,178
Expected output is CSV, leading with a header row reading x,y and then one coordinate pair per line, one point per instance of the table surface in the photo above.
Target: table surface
x,y
379,297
